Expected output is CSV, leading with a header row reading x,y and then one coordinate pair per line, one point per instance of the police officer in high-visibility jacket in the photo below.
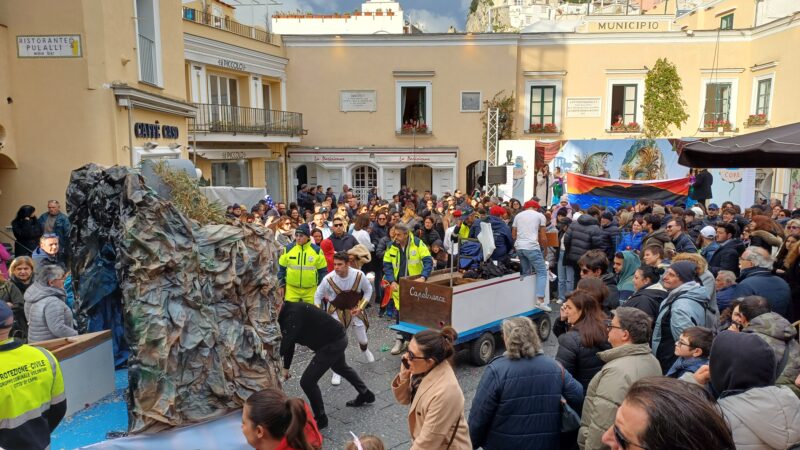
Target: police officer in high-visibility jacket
x,y
32,401
406,256
301,267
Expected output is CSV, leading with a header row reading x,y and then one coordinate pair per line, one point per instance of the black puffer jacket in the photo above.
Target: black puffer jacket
x,y
648,300
658,237
727,257
578,360
582,235
611,238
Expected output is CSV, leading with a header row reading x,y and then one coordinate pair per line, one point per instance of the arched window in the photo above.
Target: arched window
x,y
364,179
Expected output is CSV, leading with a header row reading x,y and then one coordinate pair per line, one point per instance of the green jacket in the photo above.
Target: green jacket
x,y
780,335
624,366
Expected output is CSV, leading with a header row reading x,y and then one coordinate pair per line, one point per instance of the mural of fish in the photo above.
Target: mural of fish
x,y
643,161
594,165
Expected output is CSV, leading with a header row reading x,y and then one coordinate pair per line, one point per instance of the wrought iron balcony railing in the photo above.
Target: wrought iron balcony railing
x,y
243,120
227,24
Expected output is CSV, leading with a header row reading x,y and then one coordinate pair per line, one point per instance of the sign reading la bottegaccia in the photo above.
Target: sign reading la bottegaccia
x,y
52,46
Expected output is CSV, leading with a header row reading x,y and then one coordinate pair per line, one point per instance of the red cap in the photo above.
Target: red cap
x,y
457,213
531,204
497,210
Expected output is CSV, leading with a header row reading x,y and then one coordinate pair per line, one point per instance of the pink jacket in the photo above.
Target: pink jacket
x,y
4,257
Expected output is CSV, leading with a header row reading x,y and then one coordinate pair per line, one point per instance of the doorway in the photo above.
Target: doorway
x,y
301,175
417,176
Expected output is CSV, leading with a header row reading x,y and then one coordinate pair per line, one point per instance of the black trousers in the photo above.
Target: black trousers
x,y
330,356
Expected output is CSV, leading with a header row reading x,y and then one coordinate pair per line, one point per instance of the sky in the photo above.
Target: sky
x,y
434,16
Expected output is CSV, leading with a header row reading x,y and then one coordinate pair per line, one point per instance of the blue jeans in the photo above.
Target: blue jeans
x,y
566,277
533,261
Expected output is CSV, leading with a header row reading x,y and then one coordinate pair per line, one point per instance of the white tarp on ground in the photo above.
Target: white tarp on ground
x,y
224,433
227,195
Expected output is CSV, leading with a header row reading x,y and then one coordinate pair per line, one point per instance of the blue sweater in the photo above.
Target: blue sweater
x,y
518,404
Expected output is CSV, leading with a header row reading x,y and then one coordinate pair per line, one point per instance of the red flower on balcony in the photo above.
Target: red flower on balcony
x,y
543,128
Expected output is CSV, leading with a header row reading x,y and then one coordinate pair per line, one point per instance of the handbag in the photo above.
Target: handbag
x,y
570,420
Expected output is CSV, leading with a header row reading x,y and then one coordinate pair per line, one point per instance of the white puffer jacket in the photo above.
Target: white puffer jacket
x,y
763,418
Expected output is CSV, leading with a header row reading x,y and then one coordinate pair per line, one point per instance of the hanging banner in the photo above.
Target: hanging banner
x,y
587,191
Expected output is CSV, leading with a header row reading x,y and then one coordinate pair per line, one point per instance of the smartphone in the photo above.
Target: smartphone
x,y
405,362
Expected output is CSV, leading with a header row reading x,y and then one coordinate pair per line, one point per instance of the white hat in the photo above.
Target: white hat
x,y
708,232
697,211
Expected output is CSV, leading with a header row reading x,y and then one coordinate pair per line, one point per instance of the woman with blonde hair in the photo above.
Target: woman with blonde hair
x,y
518,401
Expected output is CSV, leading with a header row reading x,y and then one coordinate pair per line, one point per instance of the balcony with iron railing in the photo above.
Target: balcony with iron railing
x,y
234,120
229,25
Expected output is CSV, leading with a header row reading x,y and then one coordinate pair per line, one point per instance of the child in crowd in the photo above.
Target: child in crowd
x,y
692,349
365,442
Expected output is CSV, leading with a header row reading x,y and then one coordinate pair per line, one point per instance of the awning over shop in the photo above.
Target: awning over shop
x,y
774,147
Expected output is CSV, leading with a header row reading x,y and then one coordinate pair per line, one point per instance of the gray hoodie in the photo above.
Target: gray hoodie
x,y
48,316
763,418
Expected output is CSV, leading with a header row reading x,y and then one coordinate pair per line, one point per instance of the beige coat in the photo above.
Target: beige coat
x,y
439,403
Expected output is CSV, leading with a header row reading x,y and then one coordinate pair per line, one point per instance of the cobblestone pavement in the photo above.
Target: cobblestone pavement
x,y
384,418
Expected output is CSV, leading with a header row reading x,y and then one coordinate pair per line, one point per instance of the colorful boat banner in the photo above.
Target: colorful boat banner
x,y
587,191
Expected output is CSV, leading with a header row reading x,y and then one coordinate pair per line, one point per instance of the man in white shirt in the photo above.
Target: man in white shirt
x,y
348,291
528,230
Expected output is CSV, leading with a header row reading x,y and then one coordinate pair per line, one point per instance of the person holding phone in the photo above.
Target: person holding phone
x,y
428,383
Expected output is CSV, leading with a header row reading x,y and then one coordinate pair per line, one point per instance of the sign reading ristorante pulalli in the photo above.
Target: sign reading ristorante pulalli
x,y
52,46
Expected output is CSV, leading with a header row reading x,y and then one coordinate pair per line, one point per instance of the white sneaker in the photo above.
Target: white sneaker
x,y
560,302
399,346
336,379
369,356
544,307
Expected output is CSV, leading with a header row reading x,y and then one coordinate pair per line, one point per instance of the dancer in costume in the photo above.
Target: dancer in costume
x,y
348,291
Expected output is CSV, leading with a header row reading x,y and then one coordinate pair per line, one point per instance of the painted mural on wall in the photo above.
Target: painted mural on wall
x,y
794,189
621,159
643,160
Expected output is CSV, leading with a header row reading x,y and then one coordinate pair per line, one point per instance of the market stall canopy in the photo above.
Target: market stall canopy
x,y
774,147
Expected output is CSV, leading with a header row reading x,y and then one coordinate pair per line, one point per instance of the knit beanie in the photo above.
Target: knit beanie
x,y
740,361
685,270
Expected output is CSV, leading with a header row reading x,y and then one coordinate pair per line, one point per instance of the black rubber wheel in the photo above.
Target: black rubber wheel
x,y
481,351
543,327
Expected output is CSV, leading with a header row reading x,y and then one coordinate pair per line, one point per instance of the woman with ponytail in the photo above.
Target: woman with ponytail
x,y
427,382
518,401
273,421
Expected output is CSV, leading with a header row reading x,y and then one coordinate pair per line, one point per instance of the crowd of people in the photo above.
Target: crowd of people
x,y
676,324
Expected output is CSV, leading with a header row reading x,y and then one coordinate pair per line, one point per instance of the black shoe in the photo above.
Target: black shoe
x,y
366,397
322,421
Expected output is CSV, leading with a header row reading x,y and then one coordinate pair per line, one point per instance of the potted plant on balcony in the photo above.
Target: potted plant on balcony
x,y
543,128
422,128
356,12
756,120
714,125
378,12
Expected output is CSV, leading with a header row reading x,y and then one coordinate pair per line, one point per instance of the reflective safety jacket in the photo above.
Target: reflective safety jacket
x,y
301,266
415,259
32,401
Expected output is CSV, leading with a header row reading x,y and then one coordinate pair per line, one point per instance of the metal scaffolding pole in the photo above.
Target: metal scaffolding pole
x,y
492,136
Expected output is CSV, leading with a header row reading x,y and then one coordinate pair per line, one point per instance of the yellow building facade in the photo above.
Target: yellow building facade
x,y
119,82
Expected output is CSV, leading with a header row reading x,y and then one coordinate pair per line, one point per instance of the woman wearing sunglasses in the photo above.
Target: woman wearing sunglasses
x,y
427,382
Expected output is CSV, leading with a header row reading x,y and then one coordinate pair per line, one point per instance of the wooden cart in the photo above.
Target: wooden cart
x,y
476,308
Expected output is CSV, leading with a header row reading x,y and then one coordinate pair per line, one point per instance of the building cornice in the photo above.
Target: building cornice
x,y
541,39
209,51
544,73
128,96
726,70
768,65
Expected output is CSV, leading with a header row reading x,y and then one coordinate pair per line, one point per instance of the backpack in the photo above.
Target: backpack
x,y
709,315
470,254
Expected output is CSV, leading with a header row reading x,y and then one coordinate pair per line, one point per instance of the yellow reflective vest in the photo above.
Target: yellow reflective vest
x,y
302,266
416,254
31,385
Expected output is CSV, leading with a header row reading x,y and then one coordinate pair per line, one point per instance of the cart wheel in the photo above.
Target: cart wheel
x,y
482,349
544,328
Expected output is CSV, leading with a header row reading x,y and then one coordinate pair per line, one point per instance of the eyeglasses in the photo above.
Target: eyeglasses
x,y
411,356
793,227
584,271
337,225
623,442
681,343
381,218
610,325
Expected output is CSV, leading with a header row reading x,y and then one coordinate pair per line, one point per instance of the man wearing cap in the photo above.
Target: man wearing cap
x,y
708,234
470,223
503,240
686,305
693,218
300,268
528,232
712,217
32,401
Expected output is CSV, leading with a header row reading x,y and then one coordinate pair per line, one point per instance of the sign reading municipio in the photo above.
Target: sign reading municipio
x,y
583,106
52,46
357,101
